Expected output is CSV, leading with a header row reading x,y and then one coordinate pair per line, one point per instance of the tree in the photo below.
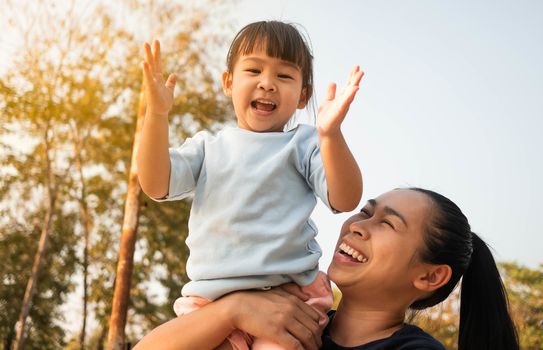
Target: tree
x,y
525,289
121,295
37,110
43,95
17,244
91,107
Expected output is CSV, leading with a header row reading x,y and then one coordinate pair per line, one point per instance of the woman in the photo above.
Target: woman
x,y
406,249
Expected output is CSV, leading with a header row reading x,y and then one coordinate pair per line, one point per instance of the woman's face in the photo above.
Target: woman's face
x,y
377,248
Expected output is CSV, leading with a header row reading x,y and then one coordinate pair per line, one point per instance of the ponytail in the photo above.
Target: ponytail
x,y
485,322
484,316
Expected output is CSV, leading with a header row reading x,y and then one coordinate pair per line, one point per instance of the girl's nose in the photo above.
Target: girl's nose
x,y
266,84
358,227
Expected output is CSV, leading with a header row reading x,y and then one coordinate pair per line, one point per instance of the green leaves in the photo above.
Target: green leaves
x,y
525,289
525,292
75,87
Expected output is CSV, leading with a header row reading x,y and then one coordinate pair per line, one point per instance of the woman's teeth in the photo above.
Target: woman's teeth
x,y
352,252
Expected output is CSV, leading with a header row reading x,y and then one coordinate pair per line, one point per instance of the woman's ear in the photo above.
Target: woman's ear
x,y
432,277
227,83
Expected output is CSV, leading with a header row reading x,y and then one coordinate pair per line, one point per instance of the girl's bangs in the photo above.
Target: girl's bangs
x,y
276,42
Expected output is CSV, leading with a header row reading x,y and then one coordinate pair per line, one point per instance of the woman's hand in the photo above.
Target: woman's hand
x,y
159,94
334,108
278,316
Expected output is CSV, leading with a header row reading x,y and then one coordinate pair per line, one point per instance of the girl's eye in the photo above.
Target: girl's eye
x,y
253,70
285,76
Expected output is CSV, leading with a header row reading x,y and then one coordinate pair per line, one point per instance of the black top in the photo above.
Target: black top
x,y
409,337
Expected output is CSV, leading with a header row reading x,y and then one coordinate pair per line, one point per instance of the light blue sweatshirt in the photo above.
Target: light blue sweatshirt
x,y
253,193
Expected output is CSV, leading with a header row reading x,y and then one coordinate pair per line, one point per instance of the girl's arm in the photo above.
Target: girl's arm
x,y
343,177
153,157
274,315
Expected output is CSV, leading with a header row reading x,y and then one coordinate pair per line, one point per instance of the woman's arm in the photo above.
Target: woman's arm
x,y
274,315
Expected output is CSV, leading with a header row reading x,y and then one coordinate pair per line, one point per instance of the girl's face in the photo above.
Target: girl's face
x,y
376,254
265,91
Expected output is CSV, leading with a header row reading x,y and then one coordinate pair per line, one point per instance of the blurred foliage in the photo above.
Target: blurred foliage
x,y
441,321
76,78
525,289
18,244
525,292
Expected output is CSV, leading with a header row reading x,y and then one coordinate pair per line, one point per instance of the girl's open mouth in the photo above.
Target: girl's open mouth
x,y
263,105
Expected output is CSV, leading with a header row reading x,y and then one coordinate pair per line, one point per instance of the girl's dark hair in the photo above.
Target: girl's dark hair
x,y
485,322
281,40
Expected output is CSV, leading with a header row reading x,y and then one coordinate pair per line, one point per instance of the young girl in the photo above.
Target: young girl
x,y
253,186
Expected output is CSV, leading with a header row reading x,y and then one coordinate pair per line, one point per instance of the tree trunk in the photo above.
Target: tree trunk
x,y
8,339
85,223
86,226
121,294
102,339
32,285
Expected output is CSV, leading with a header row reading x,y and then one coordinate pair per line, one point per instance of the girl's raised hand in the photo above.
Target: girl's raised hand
x,y
334,108
158,94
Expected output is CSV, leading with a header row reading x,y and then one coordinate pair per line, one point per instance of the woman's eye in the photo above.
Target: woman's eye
x,y
386,222
365,212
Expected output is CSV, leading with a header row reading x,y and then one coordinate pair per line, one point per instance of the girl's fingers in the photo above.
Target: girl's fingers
x,y
156,56
357,77
146,72
170,83
348,98
351,75
348,91
148,56
331,92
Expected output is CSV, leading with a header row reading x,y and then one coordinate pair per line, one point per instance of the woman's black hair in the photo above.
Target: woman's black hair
x,y
485,322
281,40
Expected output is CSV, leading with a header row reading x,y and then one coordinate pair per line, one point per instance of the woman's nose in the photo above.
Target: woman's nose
x,y
358,227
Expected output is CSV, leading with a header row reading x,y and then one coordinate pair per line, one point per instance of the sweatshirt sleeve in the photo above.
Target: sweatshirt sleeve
x,y
314,168
185,166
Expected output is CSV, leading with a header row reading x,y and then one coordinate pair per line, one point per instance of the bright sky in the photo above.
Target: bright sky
x,y
452,101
